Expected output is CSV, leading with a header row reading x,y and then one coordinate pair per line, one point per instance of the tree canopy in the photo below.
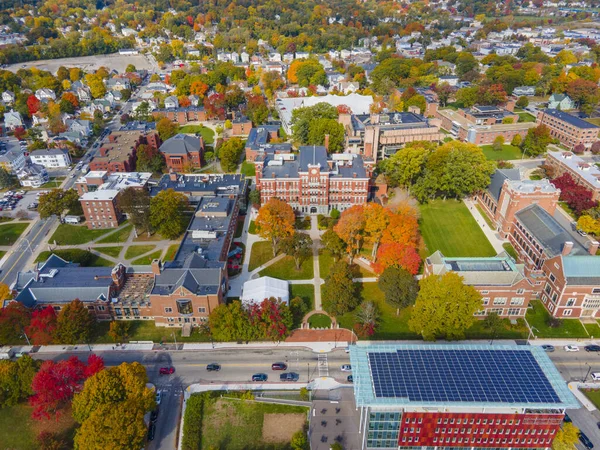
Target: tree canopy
x,y
167,213
275,222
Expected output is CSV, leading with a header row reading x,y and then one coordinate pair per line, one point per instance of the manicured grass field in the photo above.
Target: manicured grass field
x,y
485,217
326,262
525,117
238,425
507,153
252,227
595,121
10,232
538,316
285,269
593,329
448,226
319,321
171,252
305,291
207,134
118,236
593,395
54,182
76,255
110,251
134,251
2,253
510,250
248,169
261,253
146,260
67,234
146,330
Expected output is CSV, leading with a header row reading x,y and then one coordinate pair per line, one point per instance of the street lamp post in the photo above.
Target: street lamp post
x,y
588,372
175,339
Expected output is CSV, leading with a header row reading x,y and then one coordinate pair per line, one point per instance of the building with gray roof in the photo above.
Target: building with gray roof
x,y
183,151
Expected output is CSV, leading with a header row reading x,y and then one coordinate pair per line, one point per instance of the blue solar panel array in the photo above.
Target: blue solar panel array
x,y
504,376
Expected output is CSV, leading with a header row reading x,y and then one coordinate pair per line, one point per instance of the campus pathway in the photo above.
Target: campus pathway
x,y
491,235
315,235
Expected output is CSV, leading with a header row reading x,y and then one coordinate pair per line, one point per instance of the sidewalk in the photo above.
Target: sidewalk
x,y
492,235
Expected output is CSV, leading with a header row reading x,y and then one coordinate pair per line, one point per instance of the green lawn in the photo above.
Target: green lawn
x,y
261,253
509,331
237,425
67,234
526,117
319,321
306,292
567,209
54,182
593,395
207,134
538,316
146,260
118,236
510,250
134,251
485,217
171,252
2,253
10,232
507,153
248,169
146,330
593,329
285,269
448,226
326,261
252,227
76,255
110,251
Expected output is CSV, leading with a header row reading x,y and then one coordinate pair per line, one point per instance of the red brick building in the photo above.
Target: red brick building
x,y
183,152
568,129
315,183
443,396
118,151
241,125
587,174
182,116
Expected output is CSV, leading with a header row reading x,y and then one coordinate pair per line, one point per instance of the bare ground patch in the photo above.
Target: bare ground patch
x,y
281,427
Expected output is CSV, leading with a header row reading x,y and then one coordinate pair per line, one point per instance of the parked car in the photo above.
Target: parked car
x,y
346,368
213,367
350,379
151,431
158,397
548,348
584,234
279,366
571,348
585,441
166,370
596,376
592,348
154,415
259,377
289,376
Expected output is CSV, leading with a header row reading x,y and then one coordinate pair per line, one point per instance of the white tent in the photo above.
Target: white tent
x,y
255,291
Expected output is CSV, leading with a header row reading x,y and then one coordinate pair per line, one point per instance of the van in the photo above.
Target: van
x,y
72,219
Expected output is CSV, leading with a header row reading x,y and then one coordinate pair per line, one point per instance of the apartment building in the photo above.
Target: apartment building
x,y
181,115
51,157
502,283
117,152
99,192
568,129
378,136
314,182
583,173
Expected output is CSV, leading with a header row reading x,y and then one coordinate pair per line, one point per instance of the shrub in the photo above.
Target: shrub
x,y
579,149
335,214
192,423
516,141
553,322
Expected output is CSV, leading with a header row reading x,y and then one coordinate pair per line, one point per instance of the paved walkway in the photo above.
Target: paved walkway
x,y
492,235
315,235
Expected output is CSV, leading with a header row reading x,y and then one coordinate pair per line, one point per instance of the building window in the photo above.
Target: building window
x,y
552,278
567,312
201,309
118,312
101,308
57,308
90,308
500,301
168,310
486,301
517,301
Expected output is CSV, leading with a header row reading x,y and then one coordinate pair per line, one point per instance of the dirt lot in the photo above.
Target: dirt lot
x,y
281,427
88,63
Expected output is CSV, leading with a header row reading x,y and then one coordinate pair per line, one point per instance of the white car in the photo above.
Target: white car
x,y
158,397
571,348
346,368
596,376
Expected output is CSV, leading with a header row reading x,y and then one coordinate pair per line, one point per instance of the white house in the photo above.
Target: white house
x,y
255,291
13,160
33,175
171,102
45,94
12,120
51,157
8,97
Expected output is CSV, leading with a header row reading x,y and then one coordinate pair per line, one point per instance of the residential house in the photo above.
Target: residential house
x,y
33,175
13,160
560,101
171,102
12,120
45,94
51,157
527,91
117,84
584,173
8,97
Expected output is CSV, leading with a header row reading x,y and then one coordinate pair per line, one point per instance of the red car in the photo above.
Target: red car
x,y
279,366
166,370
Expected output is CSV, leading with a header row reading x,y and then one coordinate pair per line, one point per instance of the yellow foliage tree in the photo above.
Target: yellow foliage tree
x,y
566,438
275,222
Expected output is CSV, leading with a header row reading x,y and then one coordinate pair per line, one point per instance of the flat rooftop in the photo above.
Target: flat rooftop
x,y
587,171
442,376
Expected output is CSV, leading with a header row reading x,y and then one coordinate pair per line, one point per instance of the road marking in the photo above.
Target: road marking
x,y
23,253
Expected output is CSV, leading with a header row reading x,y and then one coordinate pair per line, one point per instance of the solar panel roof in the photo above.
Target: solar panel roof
x,y
505,376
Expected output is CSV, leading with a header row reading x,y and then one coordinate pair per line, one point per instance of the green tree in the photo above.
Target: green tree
x,y
399,287
119,330
130,68
498,143
299,247
6,178
149,159
299,441
136,204
66,106
522,102
406,166
254,197
230,323
74,324
303,117
167,213
333,244
537,140
311,72
467,96
15,380
516,141
230,153
566,437
166,128
444,307
493,323
275,222
142,112
320,128
339,291
57,200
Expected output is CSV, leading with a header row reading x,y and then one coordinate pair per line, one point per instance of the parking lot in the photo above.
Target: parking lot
x,y
20,208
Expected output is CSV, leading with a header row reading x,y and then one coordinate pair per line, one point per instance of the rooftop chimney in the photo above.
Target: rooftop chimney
x,y
172,175
567,247
593,248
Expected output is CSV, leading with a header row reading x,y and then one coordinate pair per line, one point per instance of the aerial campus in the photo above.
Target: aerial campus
x,y
299,225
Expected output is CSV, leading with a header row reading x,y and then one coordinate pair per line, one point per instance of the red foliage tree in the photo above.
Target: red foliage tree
x,y
184,101
595,148
19,132
270,319
214,105
42,326
13,320
56,383
33,104
577,197
344,109
397,254
579,149
71,98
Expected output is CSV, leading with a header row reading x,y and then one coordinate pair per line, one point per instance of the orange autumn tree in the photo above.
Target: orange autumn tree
x,y
292,73
377,219
275,222
397,254
350,228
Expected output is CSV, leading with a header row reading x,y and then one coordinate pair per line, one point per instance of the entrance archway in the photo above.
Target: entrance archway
x,y
313,209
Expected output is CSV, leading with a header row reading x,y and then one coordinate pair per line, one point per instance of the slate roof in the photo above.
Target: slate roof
x,y
497,180
315,155
547,231
181,144
199,281
569,118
